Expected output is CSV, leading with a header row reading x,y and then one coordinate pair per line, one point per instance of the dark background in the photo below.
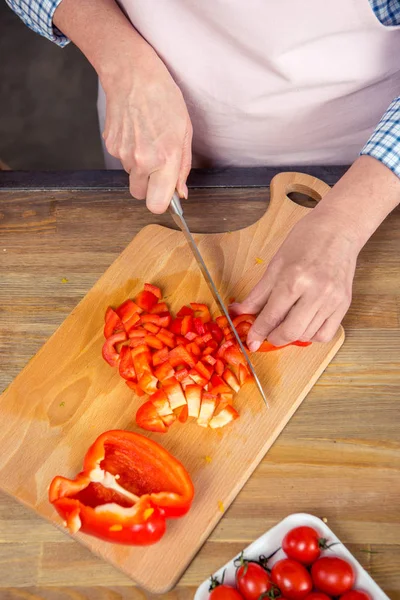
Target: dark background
x,y
48,117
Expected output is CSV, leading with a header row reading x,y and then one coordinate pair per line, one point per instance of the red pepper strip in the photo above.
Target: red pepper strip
x,y
209,403
173,389
209,360
193,395
180,355
234,356
166,337
133,322
161,403
155,319
187,325
176,326
194,349
126,368
109,352
112,323
267,347
138,333
219,367
181,374
136,341
202,311
148,418
231,380
197,378
149,287
141,364
198,326
153,342
151,327
185,311
135,387
211,348
223,348
148,383
223,417
243,319
164,371
160,356
182,413
244,374
222,321
146,300
128,486
159,308
205,371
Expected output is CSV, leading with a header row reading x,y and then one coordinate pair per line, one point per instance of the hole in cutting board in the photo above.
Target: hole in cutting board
x,y
302,199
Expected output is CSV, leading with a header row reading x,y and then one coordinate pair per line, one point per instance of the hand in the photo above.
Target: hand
x,y
148,128
306,289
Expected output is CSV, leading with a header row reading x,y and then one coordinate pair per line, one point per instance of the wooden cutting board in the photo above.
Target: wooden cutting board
x,y
67,395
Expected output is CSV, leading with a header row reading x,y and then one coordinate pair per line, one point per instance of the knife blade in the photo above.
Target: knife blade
x,y
176,211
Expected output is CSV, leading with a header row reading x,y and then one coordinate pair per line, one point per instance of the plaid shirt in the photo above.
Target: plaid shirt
x,y
384,144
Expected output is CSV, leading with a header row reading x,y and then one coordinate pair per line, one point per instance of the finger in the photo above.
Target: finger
x,y
161,187
186,164
296,321
138,184
328,330
257,298
274,312
314,326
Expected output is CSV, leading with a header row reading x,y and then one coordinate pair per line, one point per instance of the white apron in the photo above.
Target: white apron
x,y
273,82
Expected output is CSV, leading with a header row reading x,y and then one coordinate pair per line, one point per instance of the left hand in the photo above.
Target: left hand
x,y
307,288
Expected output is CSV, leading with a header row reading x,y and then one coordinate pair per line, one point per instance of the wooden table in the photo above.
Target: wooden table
x,y
338,458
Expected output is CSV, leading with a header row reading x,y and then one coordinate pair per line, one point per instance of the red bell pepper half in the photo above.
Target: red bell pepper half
x,y
127,489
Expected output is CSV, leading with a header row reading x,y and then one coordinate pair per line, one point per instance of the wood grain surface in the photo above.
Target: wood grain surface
x,y
337,458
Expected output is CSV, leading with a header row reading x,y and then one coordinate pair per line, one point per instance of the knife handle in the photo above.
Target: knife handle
x,y
175,206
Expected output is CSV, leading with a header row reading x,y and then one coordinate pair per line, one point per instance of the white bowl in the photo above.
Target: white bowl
x,y
272,540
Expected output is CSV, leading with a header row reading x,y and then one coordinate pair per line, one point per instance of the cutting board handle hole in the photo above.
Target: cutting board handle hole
x,y
303,195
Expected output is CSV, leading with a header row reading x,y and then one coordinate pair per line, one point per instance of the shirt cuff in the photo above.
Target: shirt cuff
x,y
38,16
384,144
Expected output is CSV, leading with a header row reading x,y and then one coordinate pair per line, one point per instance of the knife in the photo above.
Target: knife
x,y
176,211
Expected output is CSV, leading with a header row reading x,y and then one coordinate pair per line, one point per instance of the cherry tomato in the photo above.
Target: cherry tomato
x,y
303,544
292,579
252,580
334,576
317,596
224,592
355,595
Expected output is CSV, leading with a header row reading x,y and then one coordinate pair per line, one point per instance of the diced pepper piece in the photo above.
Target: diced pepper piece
x,y
182,413
194,349
181,355
209,359
148,383
164,319
127,309
160,356
146,300
173,389
112,323
227,398
242,330
197,378
219,367
201,311
176,326
109,351
231,380
187,325
222,322
166,337
141,349
208,405
136,341
149,318
216,332
139,332
191,335
243,319
234,356
181,374
244,375
204,370
135,387
164,371
132,322
154,329
149,287
168,420
211,348
159,308
225,416
153,342
141,364
223,348
193,395
148,418
180,340
161,403
125,367
198,326
185,311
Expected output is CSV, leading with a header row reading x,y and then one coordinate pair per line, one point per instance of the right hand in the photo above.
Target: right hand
x,y
148,129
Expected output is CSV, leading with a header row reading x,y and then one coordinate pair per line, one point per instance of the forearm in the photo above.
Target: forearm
x,y
103,33
362,199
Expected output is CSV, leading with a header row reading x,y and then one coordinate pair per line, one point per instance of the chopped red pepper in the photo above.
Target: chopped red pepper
x,y
109,352
160,356
176,326
180,355
128,487
112,323
159,308
202,311
126,368
149,287
146,300
187,325
164,371
185,311
198,326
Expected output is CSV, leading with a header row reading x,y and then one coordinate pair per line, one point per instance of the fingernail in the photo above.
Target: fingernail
x,y
185,191
254,346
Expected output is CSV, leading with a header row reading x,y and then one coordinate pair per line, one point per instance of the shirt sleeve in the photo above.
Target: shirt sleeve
x,y
384,144
38,16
